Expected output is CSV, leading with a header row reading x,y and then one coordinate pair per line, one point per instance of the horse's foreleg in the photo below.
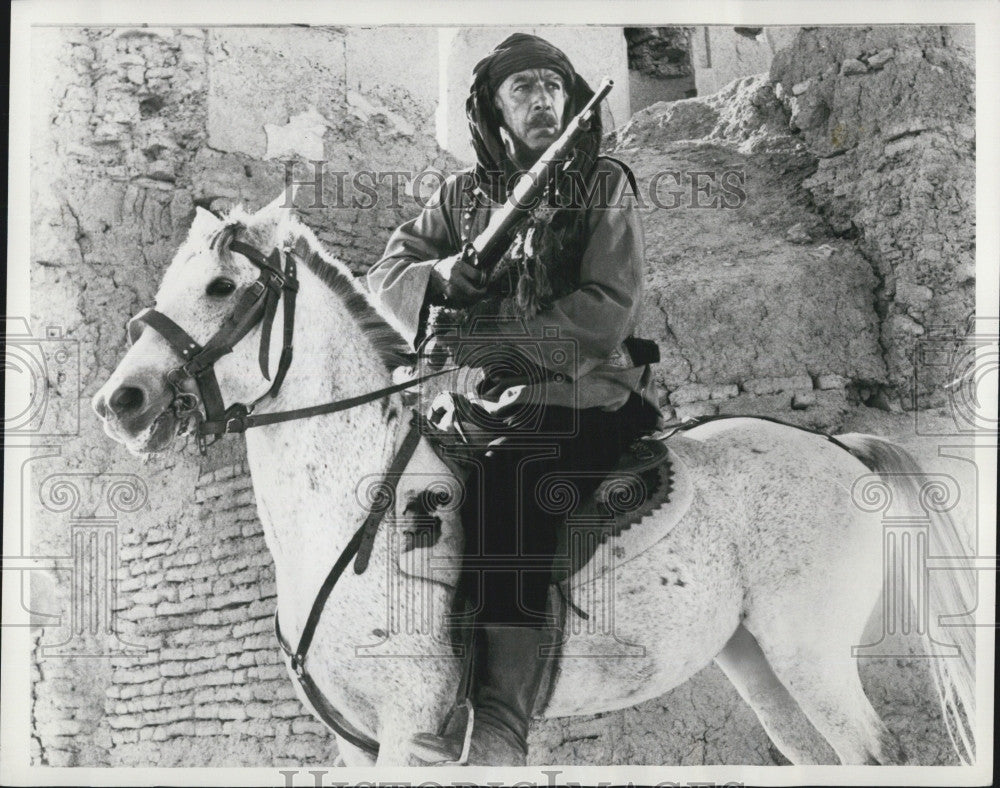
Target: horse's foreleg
x,y
746,667
396,742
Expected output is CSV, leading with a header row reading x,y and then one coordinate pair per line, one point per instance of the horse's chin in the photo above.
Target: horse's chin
x,y
157,437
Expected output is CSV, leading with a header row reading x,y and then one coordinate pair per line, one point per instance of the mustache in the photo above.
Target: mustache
x,y
542,120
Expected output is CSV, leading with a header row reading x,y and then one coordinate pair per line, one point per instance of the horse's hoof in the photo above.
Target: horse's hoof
x,y
435,749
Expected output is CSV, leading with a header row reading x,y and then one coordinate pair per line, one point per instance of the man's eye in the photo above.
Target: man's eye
x,y
220,287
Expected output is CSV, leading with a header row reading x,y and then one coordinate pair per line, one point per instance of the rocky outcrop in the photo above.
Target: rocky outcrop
x,y
821,218
753,300
889,113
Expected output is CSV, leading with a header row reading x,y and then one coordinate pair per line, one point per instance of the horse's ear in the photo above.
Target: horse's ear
x,y
205,223
275,214
281,206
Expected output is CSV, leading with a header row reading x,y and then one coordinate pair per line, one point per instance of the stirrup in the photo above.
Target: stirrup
x,y
438,748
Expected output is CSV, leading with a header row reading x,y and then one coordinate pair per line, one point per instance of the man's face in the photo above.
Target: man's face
x,y
532,103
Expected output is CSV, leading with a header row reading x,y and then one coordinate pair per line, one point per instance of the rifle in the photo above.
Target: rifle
x,y
488,247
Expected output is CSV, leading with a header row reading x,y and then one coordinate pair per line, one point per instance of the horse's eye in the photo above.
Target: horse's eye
x,y
220,287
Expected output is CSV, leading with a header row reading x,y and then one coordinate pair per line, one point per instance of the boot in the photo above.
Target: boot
x,y
508,673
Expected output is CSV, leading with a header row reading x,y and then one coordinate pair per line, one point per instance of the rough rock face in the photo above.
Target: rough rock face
x,y
890,114
856,160
747,315
659,65
662,52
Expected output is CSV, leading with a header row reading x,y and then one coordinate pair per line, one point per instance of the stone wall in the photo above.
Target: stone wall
x,y
734,276
659,65
856,230
766,303
889,112
720,53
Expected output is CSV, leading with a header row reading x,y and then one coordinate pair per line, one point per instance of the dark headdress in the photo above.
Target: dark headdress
x,y
516,53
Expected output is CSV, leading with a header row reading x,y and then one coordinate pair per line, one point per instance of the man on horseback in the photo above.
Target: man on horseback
x,y
573,273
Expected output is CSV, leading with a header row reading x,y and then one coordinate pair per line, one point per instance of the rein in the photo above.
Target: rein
x,y
258,303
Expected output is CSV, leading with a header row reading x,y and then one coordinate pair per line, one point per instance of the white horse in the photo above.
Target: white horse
x,y
766,560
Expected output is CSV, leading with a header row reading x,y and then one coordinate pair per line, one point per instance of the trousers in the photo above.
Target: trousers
x,y
520,492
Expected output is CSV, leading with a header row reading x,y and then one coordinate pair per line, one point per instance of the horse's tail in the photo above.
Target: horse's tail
x,y
952,592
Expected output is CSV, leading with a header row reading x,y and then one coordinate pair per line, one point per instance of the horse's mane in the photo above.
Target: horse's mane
x,y
388,343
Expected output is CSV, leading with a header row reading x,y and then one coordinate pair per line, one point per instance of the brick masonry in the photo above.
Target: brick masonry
x,y
213,685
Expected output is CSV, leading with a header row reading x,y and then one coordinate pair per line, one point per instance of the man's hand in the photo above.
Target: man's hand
x,y
457,282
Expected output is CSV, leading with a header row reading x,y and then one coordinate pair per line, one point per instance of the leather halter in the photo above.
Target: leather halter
x,y
258,303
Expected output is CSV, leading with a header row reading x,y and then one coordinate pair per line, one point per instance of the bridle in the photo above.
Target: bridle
x,y
257,304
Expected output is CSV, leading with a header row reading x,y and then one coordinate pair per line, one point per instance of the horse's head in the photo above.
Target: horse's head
x,y
148,398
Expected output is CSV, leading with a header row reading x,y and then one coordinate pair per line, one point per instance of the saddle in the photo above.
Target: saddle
x,y
604,532
639,483
591,536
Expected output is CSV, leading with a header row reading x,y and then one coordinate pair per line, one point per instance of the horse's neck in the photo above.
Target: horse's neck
x,y
308,474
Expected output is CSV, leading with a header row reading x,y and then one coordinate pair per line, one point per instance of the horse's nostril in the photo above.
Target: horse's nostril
x,y
99,405
125,399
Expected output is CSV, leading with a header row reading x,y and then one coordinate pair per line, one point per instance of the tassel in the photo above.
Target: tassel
x,y
543,287
526,301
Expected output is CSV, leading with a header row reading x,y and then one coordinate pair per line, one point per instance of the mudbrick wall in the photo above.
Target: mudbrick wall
x,y
796,299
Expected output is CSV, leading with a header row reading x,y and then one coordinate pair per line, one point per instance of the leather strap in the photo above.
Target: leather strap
x,y
241,422
258,303
322,707
361,542
291,291
389,482
359,548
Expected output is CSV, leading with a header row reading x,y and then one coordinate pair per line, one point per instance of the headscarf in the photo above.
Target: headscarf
x,y
519,52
